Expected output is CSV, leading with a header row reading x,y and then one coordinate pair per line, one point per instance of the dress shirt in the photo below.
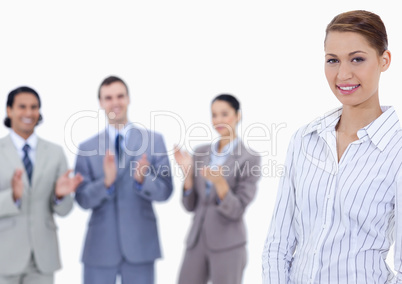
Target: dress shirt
x,y
217,159
112,133
334,222
20,142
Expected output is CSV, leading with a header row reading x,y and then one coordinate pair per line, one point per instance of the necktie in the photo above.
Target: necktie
x,y
27,162
117,145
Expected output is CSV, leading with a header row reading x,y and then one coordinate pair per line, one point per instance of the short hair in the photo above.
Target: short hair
x,y
365,23
231,100
109,80
11,99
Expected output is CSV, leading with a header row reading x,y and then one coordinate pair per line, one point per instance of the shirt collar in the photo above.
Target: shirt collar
x,y
228,149
324,123
112,131
379,131
19,142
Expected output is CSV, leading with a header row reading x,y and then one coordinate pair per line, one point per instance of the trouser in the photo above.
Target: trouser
x,y
142,273
30,275
201,264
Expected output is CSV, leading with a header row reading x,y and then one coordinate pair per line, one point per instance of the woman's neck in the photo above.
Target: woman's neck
x,y
225,141
354,118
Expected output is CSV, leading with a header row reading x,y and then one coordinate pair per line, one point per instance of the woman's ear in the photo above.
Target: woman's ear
x,y
386,60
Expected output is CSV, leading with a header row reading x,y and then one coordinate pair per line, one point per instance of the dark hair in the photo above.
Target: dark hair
x,y
234,103
365,23
11,98
109,80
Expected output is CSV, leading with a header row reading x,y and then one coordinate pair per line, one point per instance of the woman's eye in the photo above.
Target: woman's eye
x,y
332,61
358,59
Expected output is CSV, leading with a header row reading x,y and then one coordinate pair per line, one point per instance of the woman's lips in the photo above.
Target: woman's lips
x,y
347,89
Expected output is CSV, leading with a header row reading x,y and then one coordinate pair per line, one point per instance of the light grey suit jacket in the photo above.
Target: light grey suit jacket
x,y
123,224
222,221
30,227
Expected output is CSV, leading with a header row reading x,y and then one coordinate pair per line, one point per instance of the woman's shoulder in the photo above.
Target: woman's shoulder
x,y
304,130
395,141
202,148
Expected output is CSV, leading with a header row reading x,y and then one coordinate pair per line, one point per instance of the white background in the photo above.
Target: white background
x,y
176,56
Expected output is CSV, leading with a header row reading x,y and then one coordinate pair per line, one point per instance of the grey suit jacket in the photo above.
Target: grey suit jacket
x,y
222,221
30,227
123,224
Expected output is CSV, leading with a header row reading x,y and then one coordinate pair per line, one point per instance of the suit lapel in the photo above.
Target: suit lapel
x,y
103,143
202,161
41,157
233,156
131,149
12,157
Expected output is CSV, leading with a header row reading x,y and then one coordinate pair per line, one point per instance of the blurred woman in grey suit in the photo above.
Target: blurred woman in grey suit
x,y
220,181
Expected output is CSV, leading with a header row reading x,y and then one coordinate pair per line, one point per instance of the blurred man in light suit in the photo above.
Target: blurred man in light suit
x,y
125,169
34,184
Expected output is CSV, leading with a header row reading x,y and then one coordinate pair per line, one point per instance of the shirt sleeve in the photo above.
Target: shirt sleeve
x,y
110,190
64,205
398,232
234,204
190,197
8,206
281,241
91,192
158,184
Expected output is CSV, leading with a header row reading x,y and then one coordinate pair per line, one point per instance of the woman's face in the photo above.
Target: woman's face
x,y
353,68
224,118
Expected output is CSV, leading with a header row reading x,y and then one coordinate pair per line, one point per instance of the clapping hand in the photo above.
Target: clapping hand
x,y
109,169
216,176
185,161
66,185
141,169
17,184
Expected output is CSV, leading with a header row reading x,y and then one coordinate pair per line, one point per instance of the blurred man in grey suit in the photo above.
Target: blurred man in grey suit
x,y
34,184
125,169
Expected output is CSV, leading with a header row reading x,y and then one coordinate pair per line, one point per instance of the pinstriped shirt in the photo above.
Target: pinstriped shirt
x,y
334,222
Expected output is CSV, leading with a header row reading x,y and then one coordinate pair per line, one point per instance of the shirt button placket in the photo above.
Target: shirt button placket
x,y
324,228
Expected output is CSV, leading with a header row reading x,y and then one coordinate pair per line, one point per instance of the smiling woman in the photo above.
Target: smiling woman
x,y
336,206
354,66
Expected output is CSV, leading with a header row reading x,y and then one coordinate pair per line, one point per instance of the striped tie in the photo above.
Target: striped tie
x,y
27,162
117,145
